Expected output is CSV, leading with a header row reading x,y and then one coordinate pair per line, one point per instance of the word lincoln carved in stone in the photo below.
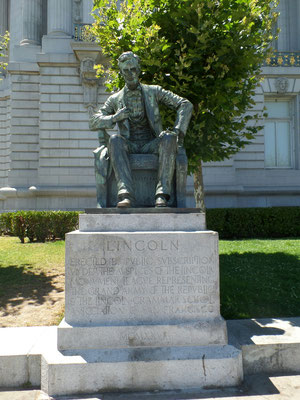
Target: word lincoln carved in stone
x,y
139,245
135,109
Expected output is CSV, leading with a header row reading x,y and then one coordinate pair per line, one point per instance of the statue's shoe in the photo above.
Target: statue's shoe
x,y
160,202
124,203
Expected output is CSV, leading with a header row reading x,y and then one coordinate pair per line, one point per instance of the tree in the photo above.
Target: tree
x,y
4,40
207,51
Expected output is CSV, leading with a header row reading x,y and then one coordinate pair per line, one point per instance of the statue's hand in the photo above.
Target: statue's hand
x,y
169,132
120,115
175,132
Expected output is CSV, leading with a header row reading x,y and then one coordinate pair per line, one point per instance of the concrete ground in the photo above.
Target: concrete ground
x,y
255,387
269,346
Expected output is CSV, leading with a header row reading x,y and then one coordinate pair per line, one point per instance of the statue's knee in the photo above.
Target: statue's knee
x,y
115,137
170,136
169,139
116,141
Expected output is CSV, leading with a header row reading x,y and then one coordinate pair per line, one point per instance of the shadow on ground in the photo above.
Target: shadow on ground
x,y
18,283
260,386
259,285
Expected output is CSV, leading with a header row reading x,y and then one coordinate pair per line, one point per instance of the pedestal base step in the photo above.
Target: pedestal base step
x,y
210,331
141,369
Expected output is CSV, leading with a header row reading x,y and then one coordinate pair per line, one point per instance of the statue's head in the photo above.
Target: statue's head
x,y
129,64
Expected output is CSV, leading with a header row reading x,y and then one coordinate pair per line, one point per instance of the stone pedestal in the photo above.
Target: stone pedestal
x,y
142,306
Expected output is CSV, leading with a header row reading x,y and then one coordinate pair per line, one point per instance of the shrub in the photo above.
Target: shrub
x,y
64,222
38,225
231,223
6,223
19,225
242,223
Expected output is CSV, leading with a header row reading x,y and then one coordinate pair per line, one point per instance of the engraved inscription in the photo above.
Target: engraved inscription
x,y
143,279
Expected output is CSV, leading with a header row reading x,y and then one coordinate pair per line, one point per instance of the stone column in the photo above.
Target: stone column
x,y
283,24
60,17
86,14
3,16
32,22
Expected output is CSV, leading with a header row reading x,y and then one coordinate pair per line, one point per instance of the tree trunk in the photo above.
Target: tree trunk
x,y
199,188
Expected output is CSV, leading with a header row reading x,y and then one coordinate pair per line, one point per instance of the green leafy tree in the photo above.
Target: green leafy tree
x,y
4,40
209,51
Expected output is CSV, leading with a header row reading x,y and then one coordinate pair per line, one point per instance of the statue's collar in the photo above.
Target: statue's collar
x,y
126,89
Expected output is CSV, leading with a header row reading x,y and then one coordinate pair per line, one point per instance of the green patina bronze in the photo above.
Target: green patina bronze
x,y
135,110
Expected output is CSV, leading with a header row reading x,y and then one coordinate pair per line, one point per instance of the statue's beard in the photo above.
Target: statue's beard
x,y
132,84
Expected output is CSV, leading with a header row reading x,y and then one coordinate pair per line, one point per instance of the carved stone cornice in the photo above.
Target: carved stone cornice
x,y
88,55
87,72
90,84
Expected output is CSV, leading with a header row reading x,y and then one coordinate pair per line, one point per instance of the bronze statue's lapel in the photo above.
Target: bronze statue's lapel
x,y
149,106
123,126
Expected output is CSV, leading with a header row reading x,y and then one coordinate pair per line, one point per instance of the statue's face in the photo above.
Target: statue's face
x,y
130,72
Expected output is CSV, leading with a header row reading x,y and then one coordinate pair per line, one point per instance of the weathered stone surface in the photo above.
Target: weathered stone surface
x,y
163,368
137,278
268,345
20,354
142,308
274,342
128,222
143,210
202,332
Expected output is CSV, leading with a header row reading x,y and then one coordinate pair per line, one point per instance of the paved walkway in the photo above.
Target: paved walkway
x,y
255,387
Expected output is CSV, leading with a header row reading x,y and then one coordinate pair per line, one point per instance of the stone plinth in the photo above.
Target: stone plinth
x,y
202,332
143,220
159,368
142,296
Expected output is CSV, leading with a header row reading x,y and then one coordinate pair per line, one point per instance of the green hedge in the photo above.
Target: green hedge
x,y
231,223
242,223
38,225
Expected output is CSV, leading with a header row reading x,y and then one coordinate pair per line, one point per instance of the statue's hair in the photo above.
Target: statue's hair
x,y
129,56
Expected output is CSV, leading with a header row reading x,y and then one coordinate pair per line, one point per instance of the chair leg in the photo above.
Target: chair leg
x,y
101,189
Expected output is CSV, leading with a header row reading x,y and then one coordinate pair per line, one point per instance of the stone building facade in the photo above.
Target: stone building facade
x,y
49,89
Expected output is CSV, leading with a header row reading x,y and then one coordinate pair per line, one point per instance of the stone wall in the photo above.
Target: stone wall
x,y
4,136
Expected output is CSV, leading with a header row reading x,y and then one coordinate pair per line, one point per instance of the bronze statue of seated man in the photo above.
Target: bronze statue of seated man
x,y
135,109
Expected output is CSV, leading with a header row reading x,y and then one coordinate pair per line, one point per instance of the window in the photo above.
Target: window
x,y
278,137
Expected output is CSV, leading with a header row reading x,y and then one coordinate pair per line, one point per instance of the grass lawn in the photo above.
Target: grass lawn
x,y
29,263
259,278
31,282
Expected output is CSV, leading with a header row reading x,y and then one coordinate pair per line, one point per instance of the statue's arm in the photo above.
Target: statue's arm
x,y
183,107
103,118
107,116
